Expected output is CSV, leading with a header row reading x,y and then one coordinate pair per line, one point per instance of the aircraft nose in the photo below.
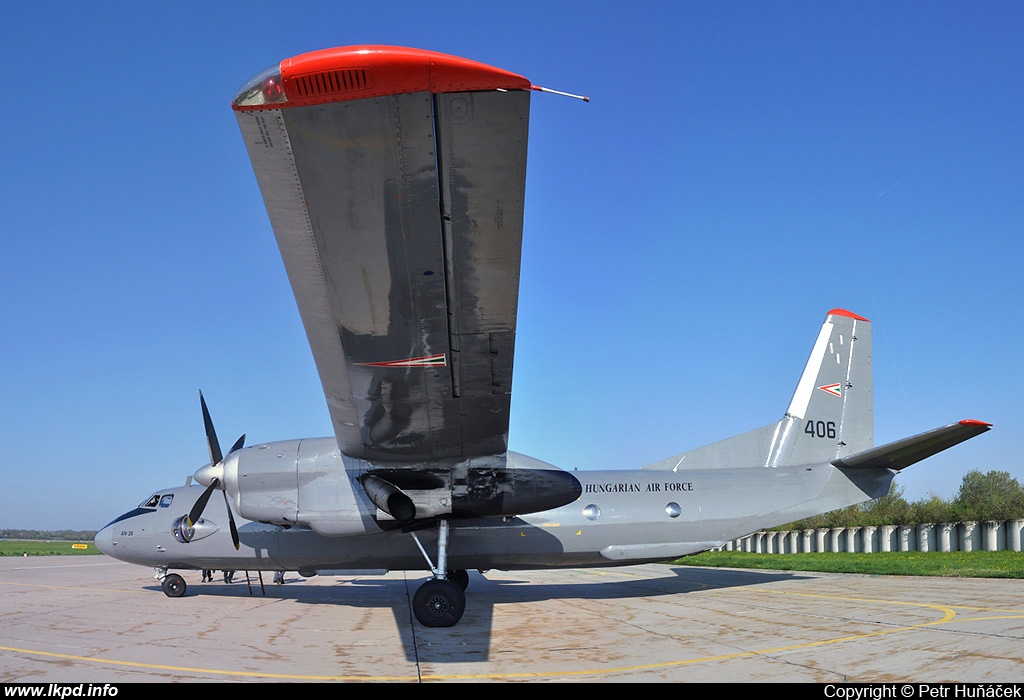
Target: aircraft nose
x,y
105,541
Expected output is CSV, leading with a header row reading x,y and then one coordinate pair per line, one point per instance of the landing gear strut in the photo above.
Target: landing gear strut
x,y
440,601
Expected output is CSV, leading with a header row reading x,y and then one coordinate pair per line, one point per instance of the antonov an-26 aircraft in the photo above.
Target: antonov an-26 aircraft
x,y
394,180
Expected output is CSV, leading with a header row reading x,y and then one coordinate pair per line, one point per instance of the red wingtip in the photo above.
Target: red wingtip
x,y
850,314
390,70
970,421
356,72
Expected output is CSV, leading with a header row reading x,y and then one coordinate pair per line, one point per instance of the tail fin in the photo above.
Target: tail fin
x,y
831,414
830,418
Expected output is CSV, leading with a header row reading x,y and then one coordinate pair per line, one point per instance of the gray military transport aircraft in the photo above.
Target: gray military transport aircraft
x,y
394,180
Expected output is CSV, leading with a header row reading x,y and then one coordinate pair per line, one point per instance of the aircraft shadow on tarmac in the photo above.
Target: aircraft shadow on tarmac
x,y
471,640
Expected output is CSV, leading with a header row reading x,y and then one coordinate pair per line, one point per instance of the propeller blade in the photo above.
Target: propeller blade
x,y
216,456
231,521
200,505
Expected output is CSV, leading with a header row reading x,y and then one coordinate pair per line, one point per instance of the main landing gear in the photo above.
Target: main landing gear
x,y
440,601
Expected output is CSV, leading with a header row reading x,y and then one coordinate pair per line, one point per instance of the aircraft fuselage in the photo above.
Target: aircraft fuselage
x,y
620,517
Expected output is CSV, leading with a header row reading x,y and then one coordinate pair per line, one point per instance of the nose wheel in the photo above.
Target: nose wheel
x,y
173,585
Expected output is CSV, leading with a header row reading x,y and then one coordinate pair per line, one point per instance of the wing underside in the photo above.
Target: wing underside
x,y
399,218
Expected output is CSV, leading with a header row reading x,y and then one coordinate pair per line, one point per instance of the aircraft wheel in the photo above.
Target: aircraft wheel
x,y
460,577
173,585
438,603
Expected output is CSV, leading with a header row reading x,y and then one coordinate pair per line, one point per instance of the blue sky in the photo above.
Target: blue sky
x,y
742,168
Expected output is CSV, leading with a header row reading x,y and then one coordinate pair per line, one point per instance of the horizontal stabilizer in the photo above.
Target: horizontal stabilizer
x,y
902,453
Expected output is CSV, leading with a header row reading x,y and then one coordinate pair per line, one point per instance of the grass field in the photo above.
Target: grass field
x,y
954,564
38,548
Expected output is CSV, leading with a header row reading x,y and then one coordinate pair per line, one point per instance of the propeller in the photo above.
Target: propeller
x,y
216,459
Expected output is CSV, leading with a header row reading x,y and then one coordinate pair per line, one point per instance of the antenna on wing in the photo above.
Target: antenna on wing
x,y
538,88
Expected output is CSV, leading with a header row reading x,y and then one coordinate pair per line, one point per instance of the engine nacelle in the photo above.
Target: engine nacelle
x,y
309,482
502,485
300,482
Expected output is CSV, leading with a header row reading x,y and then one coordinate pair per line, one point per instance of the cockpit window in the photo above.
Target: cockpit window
x,y
152,502
165,501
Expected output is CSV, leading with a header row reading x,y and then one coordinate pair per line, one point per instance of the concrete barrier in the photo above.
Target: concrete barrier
x,y
1014,534
946,537
969,537
986,536
926,538
887,539
868,537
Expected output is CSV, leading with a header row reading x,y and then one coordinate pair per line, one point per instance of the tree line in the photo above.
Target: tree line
x,y
993,495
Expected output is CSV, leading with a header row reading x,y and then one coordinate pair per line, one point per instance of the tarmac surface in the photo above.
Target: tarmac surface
x,y
93,619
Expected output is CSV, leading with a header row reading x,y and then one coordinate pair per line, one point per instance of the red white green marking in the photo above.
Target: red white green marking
x,y
425,361
832,389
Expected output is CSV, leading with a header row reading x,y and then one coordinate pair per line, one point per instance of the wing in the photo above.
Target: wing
x,y
394,181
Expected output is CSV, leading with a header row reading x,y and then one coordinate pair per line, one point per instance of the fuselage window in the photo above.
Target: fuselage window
x,y
165,501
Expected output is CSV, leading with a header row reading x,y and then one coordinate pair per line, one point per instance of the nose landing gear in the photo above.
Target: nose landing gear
x,y
173,585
